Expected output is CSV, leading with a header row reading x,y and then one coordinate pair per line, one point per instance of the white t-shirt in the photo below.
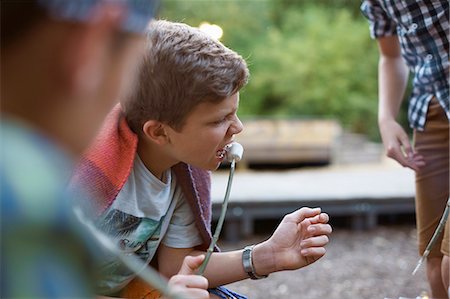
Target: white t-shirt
x,y
146,212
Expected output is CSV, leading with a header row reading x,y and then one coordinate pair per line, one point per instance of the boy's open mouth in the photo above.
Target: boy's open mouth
x,y
222,152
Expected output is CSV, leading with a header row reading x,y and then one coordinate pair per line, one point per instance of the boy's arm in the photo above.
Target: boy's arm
x,y
298,241
392,81
223,267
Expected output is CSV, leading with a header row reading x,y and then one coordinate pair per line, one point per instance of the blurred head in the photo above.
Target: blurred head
x,y
65,63
182,68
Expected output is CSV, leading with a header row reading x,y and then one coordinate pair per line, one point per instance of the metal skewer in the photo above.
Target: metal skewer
x,y
234,153
437,232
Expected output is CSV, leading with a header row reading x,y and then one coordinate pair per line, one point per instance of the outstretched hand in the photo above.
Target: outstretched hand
x,y
299,240
398,147
187,283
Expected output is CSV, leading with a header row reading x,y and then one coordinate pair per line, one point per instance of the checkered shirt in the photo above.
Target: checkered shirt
x,y
422,28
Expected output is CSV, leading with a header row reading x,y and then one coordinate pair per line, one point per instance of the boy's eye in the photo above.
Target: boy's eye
x,y
230,117
220,121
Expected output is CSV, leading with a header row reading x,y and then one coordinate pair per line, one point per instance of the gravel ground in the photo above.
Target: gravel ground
x,y
374,264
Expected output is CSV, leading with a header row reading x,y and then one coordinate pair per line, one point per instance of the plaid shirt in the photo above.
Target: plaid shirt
x,y
422,28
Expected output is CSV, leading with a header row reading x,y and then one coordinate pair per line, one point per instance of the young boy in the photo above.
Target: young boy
x,y
149,169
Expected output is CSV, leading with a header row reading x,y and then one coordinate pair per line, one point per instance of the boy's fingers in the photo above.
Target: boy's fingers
x,y
404,143
190,264
319,241
319,229
300,215
192,293
316,252
188,281
321,218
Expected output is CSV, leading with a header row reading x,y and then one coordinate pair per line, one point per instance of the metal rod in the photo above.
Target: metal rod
x,y
437,232
221,220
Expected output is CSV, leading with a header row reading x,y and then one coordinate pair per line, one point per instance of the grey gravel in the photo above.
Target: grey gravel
x,y
374,264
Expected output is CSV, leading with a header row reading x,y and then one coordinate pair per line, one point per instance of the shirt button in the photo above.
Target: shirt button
x,y
413,26
429,57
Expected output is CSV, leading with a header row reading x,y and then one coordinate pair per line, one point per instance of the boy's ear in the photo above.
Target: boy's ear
x,y
155,131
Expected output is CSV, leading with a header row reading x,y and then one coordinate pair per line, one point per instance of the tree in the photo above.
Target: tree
x,y
306,58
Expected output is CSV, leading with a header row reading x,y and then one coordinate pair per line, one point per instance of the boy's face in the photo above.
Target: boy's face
x,y
207,130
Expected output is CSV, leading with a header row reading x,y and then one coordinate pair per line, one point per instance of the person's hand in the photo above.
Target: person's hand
x,y
187,283
397,146
298,241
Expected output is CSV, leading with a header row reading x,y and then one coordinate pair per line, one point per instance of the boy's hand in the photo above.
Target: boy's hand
x,y
187,283
397,146
298,241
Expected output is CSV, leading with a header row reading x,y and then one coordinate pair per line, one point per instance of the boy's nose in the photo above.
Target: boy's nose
x,y
237,126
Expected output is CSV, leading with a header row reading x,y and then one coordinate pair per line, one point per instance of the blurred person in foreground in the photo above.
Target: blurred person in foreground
x,y
415,34
63,65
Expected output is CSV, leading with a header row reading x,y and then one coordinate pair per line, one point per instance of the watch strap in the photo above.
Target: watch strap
x,y
247,263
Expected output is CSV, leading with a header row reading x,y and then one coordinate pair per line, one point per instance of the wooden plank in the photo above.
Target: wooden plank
x,y
288,141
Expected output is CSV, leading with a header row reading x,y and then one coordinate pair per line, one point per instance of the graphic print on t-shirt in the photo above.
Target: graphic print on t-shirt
x,y
132,234
146,212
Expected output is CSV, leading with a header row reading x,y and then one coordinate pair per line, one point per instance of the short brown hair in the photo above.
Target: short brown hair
x,y
182,67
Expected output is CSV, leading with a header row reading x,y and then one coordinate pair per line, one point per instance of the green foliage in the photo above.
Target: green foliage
x,y
306,58
242,21
318,63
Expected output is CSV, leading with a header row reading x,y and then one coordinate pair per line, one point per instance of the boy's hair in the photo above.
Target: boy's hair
x,y
182,67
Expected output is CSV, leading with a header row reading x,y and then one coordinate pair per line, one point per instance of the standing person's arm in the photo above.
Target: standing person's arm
x,y
392,81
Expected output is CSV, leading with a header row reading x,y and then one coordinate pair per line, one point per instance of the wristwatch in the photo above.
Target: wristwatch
x,y
247,262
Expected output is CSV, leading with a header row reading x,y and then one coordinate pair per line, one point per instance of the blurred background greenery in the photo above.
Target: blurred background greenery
x,y
307,59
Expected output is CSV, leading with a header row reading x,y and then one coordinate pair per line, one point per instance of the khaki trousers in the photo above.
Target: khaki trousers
x,y
432,180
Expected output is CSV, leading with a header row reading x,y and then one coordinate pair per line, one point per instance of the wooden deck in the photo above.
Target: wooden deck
x,y
288,141
362,192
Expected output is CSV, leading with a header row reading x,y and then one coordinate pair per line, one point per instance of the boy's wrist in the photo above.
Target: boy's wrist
x,y
385,117
263,259
247,263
